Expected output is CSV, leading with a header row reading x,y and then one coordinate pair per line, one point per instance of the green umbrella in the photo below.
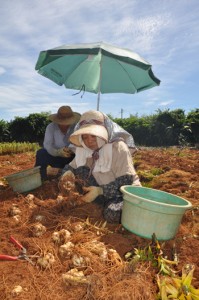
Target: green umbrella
x,y
97,68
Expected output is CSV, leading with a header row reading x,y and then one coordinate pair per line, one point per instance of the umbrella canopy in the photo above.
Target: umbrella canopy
x,y
97,68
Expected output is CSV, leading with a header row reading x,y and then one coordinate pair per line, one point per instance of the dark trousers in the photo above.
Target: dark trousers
x,y
44,159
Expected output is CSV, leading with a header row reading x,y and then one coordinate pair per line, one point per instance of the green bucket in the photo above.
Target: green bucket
x,y
25,181
147,211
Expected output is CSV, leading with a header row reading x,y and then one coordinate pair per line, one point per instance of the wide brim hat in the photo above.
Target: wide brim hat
x,y
65,116
91,122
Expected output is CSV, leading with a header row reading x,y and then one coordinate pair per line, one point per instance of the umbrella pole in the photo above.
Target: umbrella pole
x,y
100,78
98,100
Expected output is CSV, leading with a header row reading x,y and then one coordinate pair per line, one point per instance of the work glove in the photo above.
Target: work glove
x,y
64,152
92,192
67,183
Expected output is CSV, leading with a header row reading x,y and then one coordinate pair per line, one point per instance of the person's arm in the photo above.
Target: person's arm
x,y
112,189
68,167
123,169
54,142
49,143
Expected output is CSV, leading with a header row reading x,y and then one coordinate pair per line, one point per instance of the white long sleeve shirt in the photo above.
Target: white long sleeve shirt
x,y
120,164
54,139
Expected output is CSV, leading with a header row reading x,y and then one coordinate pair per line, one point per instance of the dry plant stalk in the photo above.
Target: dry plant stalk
x,y
115,283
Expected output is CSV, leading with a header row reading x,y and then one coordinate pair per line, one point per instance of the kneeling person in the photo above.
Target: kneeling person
x,y
55,151
102,164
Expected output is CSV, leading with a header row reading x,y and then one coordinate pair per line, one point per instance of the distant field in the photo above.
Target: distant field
x,y
13,148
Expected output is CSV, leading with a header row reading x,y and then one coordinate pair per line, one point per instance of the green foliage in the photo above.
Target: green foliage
x,y
147,184
140,128
38,123
4,131
190,131
161,129
146,176
29,129
157,171
165,128
12,148
19,129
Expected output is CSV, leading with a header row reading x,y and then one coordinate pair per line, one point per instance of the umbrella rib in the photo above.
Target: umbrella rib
x,y
127,74
69,75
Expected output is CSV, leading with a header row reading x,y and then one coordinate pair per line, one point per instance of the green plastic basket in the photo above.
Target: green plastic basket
x,y
147,211
25,181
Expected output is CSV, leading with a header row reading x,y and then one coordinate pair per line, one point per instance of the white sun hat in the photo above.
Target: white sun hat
x,y
91,122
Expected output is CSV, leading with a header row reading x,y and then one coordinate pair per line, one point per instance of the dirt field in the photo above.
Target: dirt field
x,y
105,273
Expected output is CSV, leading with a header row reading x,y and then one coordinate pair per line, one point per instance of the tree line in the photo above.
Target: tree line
x,y
161,129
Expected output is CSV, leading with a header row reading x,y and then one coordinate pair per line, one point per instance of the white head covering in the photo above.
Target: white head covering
x,y
103,163
106,131
91,122
99,124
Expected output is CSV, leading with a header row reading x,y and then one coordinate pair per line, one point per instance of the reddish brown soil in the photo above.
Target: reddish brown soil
x,y
109,278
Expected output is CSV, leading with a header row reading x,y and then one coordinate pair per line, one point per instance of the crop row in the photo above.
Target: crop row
x,y
12,148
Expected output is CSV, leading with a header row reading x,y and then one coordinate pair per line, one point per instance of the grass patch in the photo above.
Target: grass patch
x,y
146,177
147,184
13,148
156,171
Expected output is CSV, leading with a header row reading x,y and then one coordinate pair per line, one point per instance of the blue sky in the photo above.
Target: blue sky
x,y
163,32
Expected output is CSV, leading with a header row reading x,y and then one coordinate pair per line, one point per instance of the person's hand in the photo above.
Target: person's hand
x,y
64,152
92,192
67,182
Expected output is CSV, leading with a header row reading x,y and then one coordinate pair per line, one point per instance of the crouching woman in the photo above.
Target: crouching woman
x,y
103,164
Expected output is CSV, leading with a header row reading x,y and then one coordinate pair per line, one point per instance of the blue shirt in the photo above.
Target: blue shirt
x,y
54,139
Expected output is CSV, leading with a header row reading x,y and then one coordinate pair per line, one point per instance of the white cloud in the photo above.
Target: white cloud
x,y
165,103
2,71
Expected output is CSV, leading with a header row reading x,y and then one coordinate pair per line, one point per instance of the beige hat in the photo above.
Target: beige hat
x,y
91,122
65,116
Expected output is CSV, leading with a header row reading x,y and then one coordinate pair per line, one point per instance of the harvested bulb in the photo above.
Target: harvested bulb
x,y
46,261
16,290
61,237
74,277
14,210
80,261
38,229
66,249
